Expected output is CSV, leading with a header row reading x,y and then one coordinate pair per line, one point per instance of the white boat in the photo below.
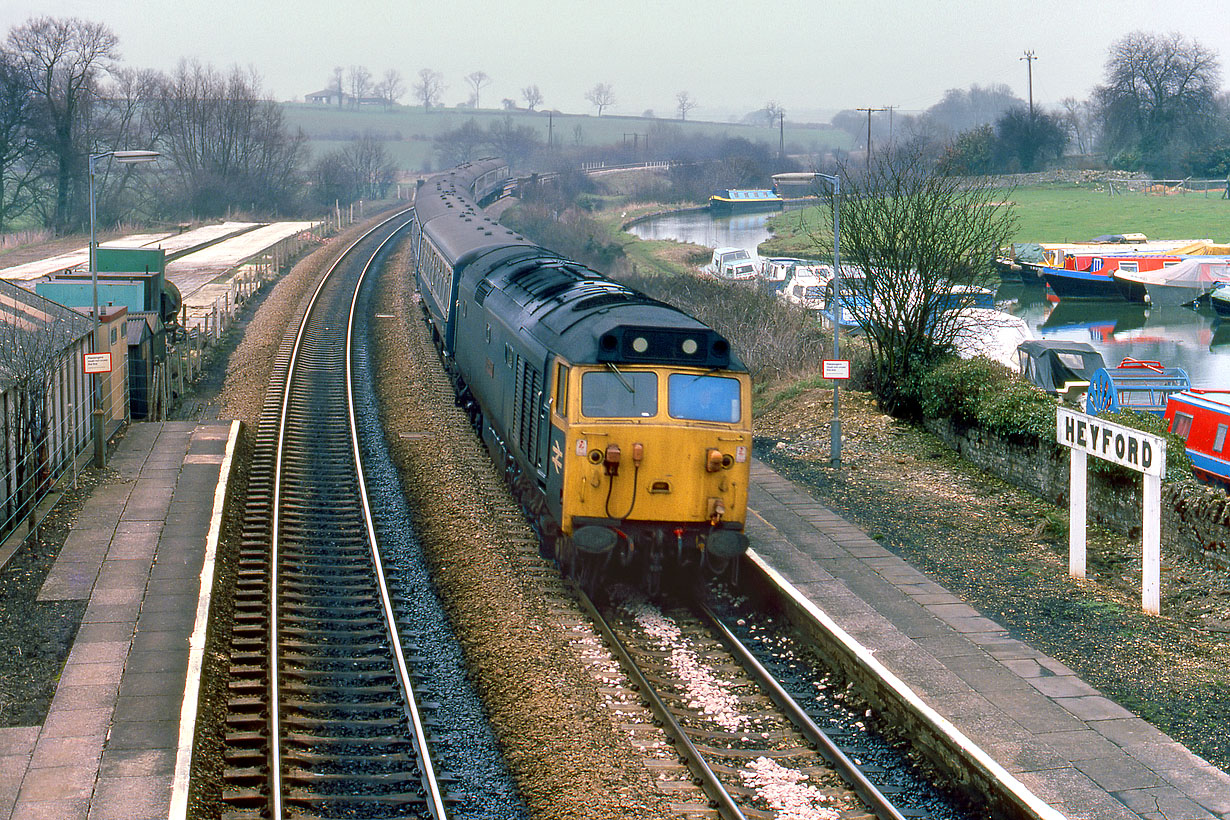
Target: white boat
x,y
806,285
776,271
732,263
988,332
1182,283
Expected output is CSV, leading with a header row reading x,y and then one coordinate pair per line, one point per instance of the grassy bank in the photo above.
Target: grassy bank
x,y
1059,214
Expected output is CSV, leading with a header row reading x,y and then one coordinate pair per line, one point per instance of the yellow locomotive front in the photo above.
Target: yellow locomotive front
x,y
651,463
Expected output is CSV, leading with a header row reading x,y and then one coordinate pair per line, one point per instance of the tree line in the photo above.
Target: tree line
x,y
1160,109
224,145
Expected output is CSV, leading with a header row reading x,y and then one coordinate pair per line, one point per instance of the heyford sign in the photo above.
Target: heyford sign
x,y
1142,452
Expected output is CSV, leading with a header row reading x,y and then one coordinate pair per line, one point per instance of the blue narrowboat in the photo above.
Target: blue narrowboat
x,y
743,200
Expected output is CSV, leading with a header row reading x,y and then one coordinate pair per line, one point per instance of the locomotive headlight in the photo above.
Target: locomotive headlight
x,y
689,347
640,344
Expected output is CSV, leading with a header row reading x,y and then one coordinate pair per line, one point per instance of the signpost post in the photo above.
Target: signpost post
x,y
1143,452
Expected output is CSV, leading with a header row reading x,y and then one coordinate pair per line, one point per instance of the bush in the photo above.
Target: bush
x,y
1018,411
1178,465
954,388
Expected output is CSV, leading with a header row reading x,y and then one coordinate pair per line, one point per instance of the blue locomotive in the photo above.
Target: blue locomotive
x,y
623,425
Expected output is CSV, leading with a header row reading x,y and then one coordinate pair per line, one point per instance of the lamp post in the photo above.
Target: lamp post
x,y
835,429
100,453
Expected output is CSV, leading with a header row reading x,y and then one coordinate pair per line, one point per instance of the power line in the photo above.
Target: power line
x,y
1029,63
869,113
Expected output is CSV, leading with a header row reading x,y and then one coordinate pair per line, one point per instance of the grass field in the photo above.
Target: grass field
x,y
407,131
1066,214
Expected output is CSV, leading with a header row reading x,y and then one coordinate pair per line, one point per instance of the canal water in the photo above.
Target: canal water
x,y
1195,339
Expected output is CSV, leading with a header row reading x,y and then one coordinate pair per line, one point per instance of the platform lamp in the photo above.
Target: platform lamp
x,y
835,434
100,453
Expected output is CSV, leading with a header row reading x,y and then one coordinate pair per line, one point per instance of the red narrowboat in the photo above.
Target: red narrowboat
x,y
1202,419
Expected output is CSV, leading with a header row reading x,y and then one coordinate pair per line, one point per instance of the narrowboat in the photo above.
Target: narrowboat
x,y
1176,283
742,200
1202,419
1220,299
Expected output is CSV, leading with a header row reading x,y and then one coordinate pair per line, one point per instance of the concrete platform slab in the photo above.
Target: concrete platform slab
x,y
1057,737
112,744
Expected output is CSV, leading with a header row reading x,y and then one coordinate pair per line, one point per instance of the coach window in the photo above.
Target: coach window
x,y
561,390
619,394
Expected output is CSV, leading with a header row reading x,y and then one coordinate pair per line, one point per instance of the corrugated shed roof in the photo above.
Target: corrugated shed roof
x,y
33,329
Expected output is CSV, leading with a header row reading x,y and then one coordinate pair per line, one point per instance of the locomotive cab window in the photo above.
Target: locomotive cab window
x,y
704,398
561,390
619,394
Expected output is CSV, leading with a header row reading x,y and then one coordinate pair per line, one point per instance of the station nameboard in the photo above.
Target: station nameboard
x,y
1136,450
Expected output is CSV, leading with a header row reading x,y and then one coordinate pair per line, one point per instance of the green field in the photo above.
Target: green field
x,y
1064,214
407,131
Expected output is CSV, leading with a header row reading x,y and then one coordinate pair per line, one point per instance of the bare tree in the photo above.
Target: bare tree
x,y
514,143
60,61
390,88
125,115
773,112
602,96
1159,99
684,103
915,236
478,80
1078,118
338,85
461,144
35,336
533,97
19,155
429,88
359,79
228,144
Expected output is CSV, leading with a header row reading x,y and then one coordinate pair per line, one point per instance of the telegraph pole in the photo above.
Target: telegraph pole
x,y
890,123
869,111
781,135
1029,63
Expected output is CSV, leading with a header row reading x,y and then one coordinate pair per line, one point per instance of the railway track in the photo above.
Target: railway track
x,y
749,745
323,718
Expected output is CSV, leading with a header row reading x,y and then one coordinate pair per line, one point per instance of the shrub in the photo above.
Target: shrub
x,y
1178,465
953,389
1018,411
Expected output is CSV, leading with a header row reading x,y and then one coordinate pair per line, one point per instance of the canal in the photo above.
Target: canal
x,y
1195,339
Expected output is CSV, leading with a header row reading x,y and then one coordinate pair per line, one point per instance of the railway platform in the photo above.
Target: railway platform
x,y
117,740
1068,748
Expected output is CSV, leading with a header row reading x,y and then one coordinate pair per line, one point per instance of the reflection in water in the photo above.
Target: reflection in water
x,y
1195,339
699,228
1176,336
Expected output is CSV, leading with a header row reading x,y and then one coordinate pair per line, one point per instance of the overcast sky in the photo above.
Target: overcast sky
x,y
732,56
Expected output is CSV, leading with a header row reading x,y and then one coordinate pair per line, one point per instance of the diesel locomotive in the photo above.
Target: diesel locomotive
x,y
623,425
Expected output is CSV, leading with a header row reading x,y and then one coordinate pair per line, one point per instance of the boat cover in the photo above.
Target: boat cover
x,y
1182,283
1053,364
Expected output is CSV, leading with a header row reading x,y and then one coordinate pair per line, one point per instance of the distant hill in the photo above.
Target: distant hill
x,y
407,131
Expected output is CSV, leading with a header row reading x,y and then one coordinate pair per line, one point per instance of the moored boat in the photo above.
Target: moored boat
x,y
1059,367
1179,283
742,200
1219,298
1202,419
731,263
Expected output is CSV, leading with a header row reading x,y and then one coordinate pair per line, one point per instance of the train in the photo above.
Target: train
x,y
622,424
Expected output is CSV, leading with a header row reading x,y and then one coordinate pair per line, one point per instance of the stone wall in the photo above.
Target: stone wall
x,y
1195,517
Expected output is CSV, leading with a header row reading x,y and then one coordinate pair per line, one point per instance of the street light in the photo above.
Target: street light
x,y
835,430
100,458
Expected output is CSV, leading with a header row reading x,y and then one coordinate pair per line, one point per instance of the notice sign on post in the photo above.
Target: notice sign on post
x,y
835,369
1145,453
97,363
